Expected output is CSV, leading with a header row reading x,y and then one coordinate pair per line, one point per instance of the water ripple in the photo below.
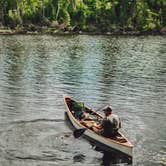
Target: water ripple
x,y
35,71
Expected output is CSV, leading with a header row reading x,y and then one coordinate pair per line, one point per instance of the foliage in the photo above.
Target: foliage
x,y
102,15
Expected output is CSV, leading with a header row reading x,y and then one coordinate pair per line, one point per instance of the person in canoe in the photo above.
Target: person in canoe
x,y
110,124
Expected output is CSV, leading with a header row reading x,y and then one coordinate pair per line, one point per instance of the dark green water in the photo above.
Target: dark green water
x,y
36,71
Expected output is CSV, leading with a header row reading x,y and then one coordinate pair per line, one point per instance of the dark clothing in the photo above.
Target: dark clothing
x,y
110,125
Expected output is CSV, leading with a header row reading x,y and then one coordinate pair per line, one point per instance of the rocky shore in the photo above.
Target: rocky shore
x,y
62,30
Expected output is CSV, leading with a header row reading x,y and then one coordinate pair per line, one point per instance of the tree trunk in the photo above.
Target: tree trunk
x,y
42,6
134,13
113,8
57,13
1,13
73,2
19,13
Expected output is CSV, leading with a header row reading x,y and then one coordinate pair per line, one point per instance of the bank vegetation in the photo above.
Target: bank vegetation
x,y
83,16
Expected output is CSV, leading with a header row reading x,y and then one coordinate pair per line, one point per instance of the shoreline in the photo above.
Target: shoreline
x,y
53,31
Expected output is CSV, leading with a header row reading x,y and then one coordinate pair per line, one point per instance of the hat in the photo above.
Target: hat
x,y
107,109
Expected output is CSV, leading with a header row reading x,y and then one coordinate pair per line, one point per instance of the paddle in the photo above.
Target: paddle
x,y
78,132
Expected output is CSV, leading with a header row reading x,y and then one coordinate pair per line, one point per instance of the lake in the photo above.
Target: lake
x,y
37,70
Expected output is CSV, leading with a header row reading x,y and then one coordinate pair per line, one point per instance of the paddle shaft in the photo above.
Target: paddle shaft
x,y
78,132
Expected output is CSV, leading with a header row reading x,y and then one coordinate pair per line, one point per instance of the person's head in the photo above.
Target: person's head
x,y
107,110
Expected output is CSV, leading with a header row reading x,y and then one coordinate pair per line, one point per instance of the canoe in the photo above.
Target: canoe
x,y
119,144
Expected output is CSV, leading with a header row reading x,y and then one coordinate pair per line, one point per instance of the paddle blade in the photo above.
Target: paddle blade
x,y
78,132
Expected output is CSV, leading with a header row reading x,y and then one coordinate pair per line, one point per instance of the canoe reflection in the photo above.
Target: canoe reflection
x,y
79,158
110,158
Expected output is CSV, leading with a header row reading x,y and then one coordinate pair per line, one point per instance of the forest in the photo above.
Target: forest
x,y
93,16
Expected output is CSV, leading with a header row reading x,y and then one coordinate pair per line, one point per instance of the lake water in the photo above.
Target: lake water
x,y
36,71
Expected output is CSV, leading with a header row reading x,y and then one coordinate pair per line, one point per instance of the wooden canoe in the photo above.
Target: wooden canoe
x,y
120,144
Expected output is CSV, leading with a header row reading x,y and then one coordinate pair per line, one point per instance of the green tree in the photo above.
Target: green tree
x,y
143,15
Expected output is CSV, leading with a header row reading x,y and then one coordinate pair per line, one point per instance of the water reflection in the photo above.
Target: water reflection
x,y
79,158
114,159
74,67
12,79
107,73
112,156
128,72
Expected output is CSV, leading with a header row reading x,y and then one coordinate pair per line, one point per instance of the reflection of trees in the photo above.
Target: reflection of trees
x,y
155,77
40,65
162,53
40,82
13,69
108,64
15,61
25,72
74,66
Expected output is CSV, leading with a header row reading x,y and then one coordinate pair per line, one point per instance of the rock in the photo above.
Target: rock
x,y
163,30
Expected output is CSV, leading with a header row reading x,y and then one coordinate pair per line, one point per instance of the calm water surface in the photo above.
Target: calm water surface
x,y
36,71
